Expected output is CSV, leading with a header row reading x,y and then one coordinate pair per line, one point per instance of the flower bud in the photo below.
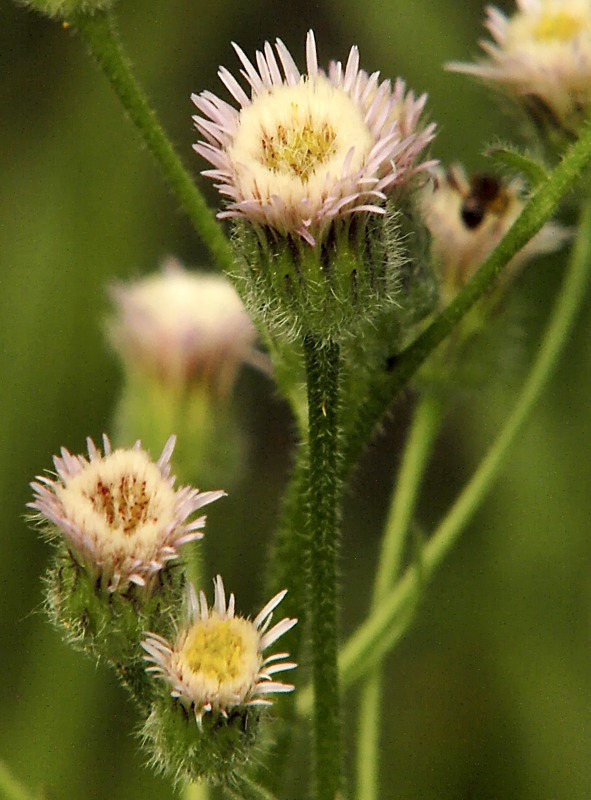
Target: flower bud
x,y
66,9
182,337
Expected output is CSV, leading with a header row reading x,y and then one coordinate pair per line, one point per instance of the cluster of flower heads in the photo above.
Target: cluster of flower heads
x,y
305,150
542,56
122,521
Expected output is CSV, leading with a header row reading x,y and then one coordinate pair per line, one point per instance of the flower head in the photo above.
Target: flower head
x,y
216,664
119,513
305,150
542,56
467,218
183,327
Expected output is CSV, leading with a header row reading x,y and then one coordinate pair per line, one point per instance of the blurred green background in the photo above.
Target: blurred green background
x,y
489,695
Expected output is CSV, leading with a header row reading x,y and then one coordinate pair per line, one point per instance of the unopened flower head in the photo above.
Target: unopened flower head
x,y
119,513
217,665
66,9
303,151
467,217
183,327
542,56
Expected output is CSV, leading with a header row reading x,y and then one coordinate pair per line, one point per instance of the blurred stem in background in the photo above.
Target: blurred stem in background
x,y
419,444
99,32
385,627
536,213
11,788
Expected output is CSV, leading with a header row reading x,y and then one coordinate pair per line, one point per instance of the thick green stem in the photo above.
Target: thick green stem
x,y
99,32
418,448
536,213
388,624
322,497
10,787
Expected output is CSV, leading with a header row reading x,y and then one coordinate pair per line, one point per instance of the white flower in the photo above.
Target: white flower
x,y
305,150
119,512
216,663
467,218
182,327
542,52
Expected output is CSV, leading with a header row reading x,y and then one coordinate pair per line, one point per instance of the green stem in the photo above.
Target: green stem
x,y
323,492
244,788
391,620
418,448
99,32
10,787
535,214
195,791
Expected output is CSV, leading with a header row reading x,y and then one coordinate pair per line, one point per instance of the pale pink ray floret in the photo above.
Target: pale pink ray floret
x,y
118,511
303,150
217,662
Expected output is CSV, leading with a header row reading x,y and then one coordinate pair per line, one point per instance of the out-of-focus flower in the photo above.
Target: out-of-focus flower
x,y
303,151
183,328
467,217
118,513
541,55
216,663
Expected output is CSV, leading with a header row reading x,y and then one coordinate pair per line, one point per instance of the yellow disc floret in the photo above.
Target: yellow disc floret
x,y
559,25
220,659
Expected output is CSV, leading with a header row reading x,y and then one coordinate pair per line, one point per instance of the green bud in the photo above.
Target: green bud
x,y
334,289
66,9
214,751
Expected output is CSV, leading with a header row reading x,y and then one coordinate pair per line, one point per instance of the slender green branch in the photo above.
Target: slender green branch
x,y
390,621
243,788
10,787
196,791
535,214
417,450
322,497
99,32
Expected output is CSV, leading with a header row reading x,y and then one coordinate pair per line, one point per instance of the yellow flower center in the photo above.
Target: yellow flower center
x,y
299,149
560,25
293,141
215,649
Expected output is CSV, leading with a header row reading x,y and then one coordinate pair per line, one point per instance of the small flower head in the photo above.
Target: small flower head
x,y
118,512
217,676
467,218
182,328
309,165
216,663
302,151
541,56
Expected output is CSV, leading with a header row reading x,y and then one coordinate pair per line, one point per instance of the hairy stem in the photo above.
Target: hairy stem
x,y
99,32
322,498
535,214
384,628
